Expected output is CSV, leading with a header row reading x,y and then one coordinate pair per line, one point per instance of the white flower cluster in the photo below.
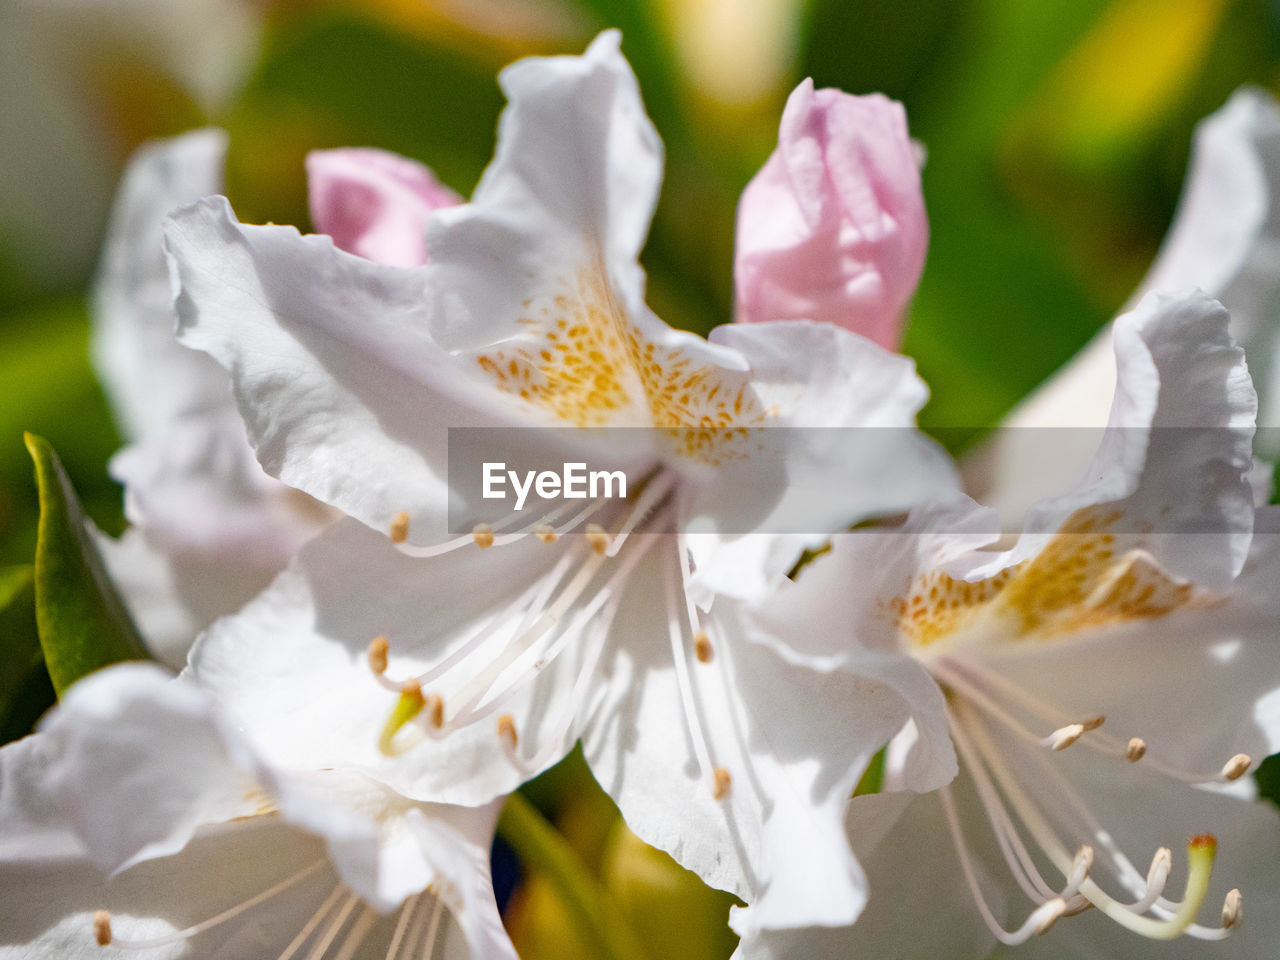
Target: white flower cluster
x,y
1055,716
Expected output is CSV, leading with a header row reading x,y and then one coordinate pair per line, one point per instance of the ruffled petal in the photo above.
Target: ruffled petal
x,y
114,744
1182,420
919,906
840,446
774,836
833,227
308,699
374,203
150,378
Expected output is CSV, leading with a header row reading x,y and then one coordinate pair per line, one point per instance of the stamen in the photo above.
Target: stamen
x,y
104,935
400,527
102,927
331,934
1136,750
507,733
309,927
1064,737
378,655
433,710
359,930
482,534
428,947
546,533
1040,920
402,924
598,537
702,647
654,492
1236,767
407,707
675,631
1232,910
1201,853
1080,868
723,782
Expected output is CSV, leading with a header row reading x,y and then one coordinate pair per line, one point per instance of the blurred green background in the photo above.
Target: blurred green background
x,y
1057,134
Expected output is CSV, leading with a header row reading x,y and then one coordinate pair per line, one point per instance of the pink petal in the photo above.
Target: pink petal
x,y
833,227
375,203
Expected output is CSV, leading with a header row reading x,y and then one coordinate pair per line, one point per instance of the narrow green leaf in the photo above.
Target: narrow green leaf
x,y
543,849
24,692
82,621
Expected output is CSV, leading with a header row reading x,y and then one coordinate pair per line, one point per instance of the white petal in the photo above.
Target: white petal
x,y
117,739
572,186
919,907
150,378
1197,684
845,448
775,837
1182,420
49,903
308,699
32,822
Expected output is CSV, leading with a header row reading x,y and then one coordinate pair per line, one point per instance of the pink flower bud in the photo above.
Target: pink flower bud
x,y
833,226
375,203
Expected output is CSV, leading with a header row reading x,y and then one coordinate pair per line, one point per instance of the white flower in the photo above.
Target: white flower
x,y
139,776
210,529
531,314
1106,683
1225,239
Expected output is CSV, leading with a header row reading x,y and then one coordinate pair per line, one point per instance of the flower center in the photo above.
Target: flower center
x,y
574,601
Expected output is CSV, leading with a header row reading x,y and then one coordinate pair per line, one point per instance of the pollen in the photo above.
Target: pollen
x,y
1136,750
598,538
546,533
102,927
1232,910
702,647
1206,842
721,783
1236,767
482,534
507,732
400,527
433,707
378,655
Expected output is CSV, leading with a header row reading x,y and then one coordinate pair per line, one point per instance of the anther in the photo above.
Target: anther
x,y
507,732
546,533
482,534
1232,910
1045,916
597,537
1081,864
1136,750
1158,872
702,647
433,707
720,788
378,655
1093,723
1236,767
400,527
1064,737
102,927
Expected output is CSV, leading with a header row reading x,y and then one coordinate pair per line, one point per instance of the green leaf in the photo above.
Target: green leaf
x,y
545,851
24,683
82,621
